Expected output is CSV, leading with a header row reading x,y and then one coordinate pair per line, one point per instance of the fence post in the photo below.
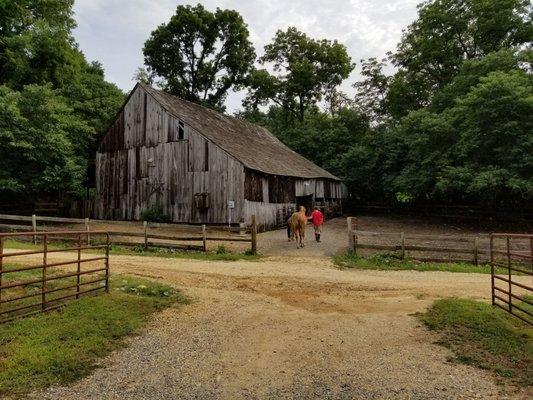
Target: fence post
x,y
254,235
43,285
107,263
491,250
34,226
145,227
88,229
509,271
204,237
1,265
476,251
352,223
402,238
79,268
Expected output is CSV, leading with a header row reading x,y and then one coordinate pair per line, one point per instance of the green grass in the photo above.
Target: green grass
x,y
62,346
484,336
391,262
221,254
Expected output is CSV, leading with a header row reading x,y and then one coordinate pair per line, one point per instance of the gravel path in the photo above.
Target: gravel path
x,y
287,328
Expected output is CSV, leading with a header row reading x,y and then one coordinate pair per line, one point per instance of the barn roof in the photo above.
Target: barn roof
x,y
251,144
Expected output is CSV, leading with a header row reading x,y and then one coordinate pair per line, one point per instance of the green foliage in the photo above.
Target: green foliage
x,y
485,336
305,71
37,154
154,214
54,104
60,347
200,55
222,250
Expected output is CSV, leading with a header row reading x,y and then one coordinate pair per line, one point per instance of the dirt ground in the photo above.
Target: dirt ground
x,y
288,327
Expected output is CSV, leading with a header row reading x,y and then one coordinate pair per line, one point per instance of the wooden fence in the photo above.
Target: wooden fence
x,y
144,237
31,288
437,248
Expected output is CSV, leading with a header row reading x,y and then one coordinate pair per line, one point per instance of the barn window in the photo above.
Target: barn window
x,y
181,130
201,201
177,133
206,156
253,186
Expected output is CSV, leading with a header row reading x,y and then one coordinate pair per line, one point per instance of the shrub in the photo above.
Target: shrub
x,y
154,214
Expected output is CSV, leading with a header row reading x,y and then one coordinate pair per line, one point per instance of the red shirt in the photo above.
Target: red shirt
x,y
317,217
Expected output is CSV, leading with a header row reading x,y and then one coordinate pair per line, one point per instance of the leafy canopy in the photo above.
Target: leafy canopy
x,y
304,71
199,55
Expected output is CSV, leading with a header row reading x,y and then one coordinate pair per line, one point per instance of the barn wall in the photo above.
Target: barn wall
x,y
142,161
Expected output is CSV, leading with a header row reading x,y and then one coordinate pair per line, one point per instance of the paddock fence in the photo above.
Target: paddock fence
x,y
38,280
509,292
436,248
143,234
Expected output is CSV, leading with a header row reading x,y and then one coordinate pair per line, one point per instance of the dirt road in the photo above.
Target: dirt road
x,y
287,328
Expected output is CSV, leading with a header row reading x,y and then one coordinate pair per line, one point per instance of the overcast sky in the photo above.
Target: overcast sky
x,y
114,31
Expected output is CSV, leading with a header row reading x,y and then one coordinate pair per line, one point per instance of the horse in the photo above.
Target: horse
x,y
297,222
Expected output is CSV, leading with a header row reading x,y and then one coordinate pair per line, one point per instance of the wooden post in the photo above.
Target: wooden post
x,y
145,227
43,284
87,229
254,235
509,271
107,263
1,265
204,237
354,235
491,247
352,226
476,251
402,239
34,226
78,276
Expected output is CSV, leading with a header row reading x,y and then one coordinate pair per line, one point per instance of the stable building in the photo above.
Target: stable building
x,y
202,167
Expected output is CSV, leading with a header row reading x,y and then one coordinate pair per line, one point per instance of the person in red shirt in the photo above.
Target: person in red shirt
x,y
318,220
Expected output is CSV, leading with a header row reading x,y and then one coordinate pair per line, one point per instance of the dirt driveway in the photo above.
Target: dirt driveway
x,y
287,328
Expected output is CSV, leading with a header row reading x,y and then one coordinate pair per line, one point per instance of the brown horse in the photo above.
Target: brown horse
x,y
297,222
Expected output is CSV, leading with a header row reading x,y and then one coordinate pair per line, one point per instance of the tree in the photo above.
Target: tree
x,y
305,70
199,55
371,92
447,32
42,66
37,155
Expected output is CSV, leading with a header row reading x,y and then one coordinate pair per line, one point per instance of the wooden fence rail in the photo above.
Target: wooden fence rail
x,y
427,247
172,241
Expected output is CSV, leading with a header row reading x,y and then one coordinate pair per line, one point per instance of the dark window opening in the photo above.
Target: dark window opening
x,y
145,112
181,130
206,156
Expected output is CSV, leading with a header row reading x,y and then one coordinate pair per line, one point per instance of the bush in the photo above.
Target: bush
x,y
154,214
222,250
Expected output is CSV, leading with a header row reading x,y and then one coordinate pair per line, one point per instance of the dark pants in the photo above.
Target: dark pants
x,y
288,231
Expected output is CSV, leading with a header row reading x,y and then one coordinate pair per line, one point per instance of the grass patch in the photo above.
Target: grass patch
x,y
392,262
484,336
220,254
62,346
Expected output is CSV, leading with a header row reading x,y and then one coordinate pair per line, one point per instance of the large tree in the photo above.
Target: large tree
x,y
42,68
200,55
448,32
305,70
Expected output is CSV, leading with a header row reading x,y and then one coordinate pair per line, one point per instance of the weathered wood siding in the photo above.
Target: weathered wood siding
x,y
143,162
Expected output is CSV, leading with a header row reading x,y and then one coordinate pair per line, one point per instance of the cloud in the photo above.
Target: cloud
x,y
114,31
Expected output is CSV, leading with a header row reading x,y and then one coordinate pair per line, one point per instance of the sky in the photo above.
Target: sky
x,y
114,31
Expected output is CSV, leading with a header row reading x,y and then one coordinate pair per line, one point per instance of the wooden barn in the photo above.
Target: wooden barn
x,y
200,166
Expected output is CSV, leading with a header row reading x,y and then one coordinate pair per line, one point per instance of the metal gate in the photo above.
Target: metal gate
x,y
32,282
511,259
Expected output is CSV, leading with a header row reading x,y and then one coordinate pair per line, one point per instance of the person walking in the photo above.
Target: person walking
x,y
317,219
